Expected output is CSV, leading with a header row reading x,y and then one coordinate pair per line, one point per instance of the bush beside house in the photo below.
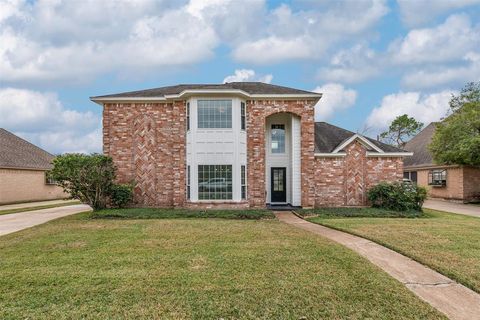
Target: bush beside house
x,y
90,179
397,196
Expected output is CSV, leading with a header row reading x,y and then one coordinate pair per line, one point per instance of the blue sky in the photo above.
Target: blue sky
x,y
372,60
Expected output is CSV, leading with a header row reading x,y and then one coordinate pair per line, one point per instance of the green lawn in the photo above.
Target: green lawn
x,y
77,267
448,243
345,212
46,206
159,213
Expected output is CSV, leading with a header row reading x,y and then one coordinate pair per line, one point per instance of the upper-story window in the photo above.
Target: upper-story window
x,y
214,114
278,138
243,113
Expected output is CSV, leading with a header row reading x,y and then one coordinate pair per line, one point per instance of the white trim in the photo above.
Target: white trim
x,y
331,155
361,138
389,154
202,91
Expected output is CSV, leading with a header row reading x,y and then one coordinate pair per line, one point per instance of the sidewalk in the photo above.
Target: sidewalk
x,y
449,297
459,208
32,204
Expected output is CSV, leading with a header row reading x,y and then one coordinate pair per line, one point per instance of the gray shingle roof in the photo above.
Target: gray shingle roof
x,y
18,153
249,87
328,137
419,146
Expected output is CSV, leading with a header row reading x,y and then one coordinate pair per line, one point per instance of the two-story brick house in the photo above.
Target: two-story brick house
x,y
240,144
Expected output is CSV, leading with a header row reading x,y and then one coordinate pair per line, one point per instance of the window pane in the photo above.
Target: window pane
x,y
188,116
214,182
214,113
278,138
243,114
413,176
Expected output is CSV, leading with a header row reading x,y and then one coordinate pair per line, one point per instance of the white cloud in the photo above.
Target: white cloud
x,y
424,108
334,98
445,75
72,40
42,119
307,34
445,42
415,13
243,75
273,50
353,65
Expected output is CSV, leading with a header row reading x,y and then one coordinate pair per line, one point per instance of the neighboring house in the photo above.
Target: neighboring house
x,y
452,182
240,144
23,169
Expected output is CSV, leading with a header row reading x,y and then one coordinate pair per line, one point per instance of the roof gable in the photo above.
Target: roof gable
x,y
419,146
16,152
333,139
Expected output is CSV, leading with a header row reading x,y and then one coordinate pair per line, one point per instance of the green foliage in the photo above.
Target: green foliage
x,y
397,196
88,178
469,93
121,195
160,213
457,138
400,130
345,212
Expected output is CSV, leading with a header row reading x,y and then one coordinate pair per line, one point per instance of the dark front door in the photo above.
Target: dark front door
x,y
279,185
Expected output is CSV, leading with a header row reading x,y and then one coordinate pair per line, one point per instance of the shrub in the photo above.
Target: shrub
x,y
90,179
397,196
121,195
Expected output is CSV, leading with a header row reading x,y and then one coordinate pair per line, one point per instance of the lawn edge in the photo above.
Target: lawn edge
x,y
35,208
388,246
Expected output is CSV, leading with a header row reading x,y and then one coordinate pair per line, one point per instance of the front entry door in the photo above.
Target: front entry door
x,y
279,185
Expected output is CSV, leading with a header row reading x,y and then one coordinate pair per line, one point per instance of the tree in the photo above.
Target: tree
x,y
457,138
400,130
469,93
88,178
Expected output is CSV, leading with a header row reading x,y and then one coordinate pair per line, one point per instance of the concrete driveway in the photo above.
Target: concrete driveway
x,y
21,220
459,208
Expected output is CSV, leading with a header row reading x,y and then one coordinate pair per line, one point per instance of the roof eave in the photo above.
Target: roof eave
x,y
191,92
389,154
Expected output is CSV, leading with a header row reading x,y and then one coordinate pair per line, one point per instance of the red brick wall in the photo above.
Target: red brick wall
x,y
257,112
147,143
344,181
471,183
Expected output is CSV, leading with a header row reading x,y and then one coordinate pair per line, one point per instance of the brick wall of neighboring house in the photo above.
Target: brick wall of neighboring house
x,y
341,181
20,185
471,183
257,112
454,188
147,143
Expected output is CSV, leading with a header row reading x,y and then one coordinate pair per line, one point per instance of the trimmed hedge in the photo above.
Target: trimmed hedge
x,y
397,196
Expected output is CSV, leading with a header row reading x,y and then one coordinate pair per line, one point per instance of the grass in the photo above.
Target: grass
x,y
46,206
448,243
161,213
77,267
357,212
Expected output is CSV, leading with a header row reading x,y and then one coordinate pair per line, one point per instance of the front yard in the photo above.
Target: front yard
x,y
448,243
78,267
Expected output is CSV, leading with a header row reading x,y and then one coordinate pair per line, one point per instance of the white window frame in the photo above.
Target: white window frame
x,y
215,128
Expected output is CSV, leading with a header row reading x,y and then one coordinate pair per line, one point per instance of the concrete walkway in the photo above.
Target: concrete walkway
x,y
460,208
32,204
453,299
21,220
